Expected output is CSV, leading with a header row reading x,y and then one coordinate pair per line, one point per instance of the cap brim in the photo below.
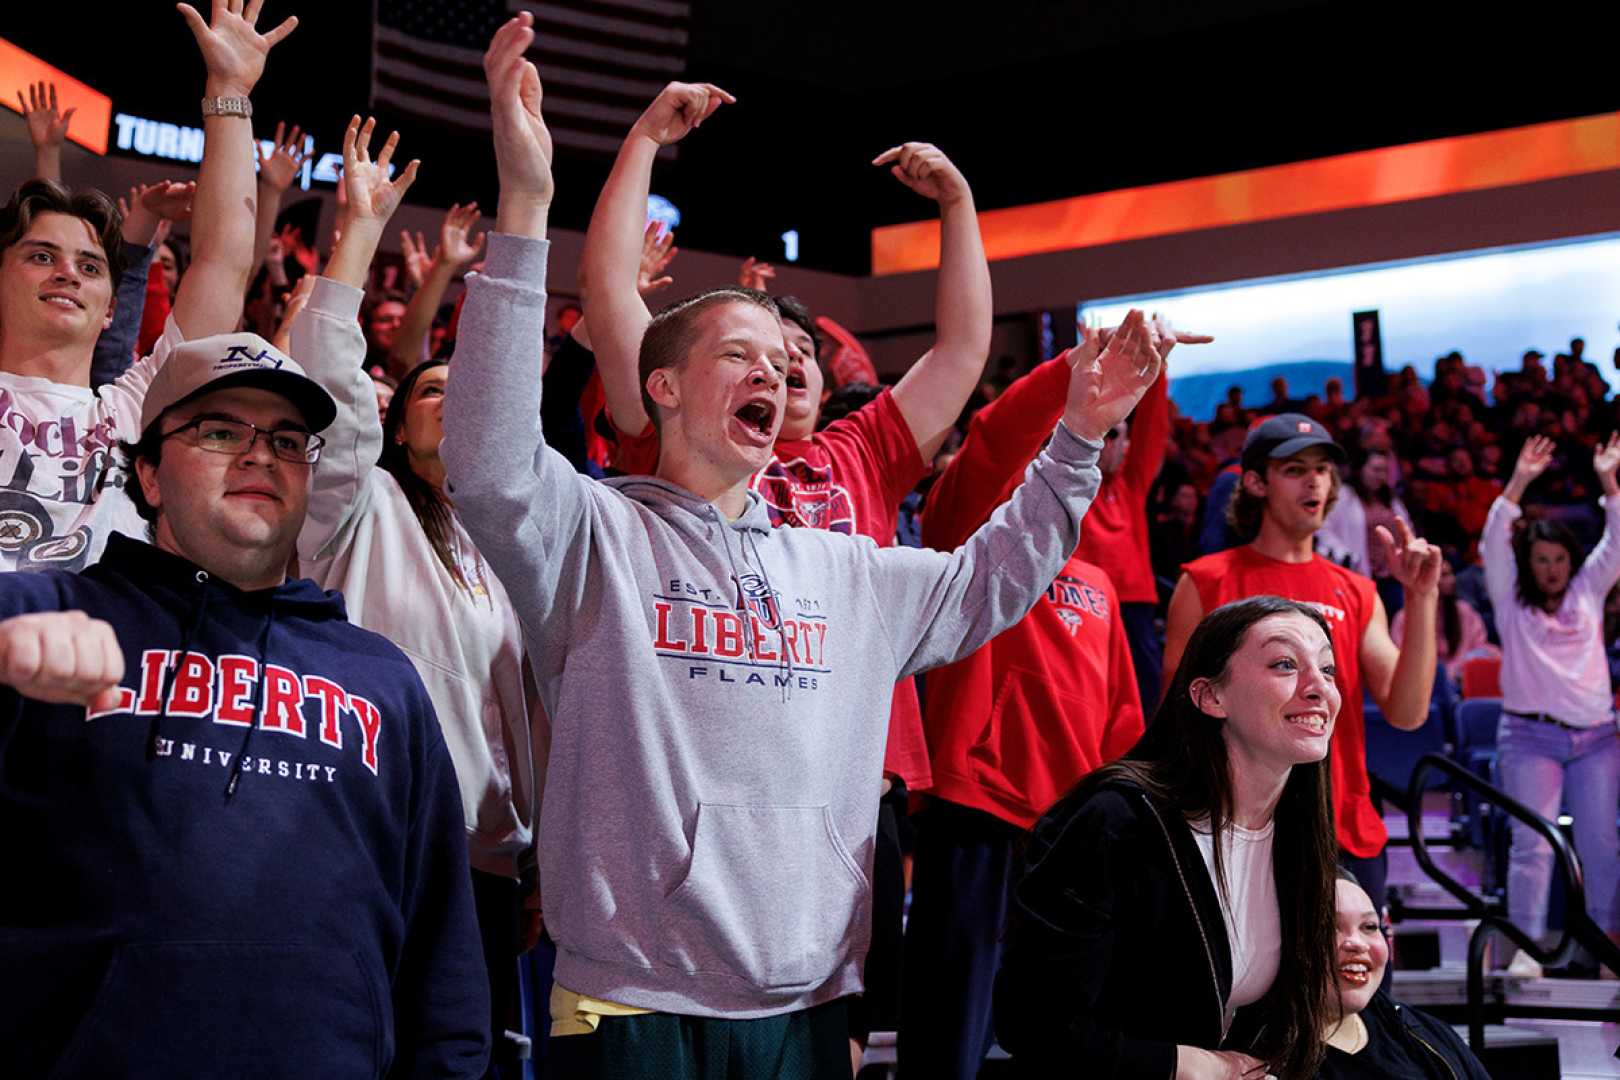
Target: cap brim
x,y
1290,447
307,396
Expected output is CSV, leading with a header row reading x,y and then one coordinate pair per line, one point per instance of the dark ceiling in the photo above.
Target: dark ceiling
x,y
1033,100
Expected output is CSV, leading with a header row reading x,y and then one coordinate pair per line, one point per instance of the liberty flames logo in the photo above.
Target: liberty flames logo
x,y
761,600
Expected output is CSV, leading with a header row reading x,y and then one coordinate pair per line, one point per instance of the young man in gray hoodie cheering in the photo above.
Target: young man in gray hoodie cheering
x,y
718,689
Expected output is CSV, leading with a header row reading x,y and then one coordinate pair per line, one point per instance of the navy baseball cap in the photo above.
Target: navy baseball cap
x,y
1283,436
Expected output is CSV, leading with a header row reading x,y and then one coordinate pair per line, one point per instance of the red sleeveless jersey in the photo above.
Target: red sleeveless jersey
x,y
1346,600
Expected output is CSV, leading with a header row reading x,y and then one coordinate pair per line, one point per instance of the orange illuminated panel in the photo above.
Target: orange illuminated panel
x,y
1367,178
19,68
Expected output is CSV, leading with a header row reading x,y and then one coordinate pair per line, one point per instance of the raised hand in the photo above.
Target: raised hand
x,y
295,303
456,247
1166,337
1534,458
925,169
47,125
679,108
755,274
1606,456
658,250
1104,391
1413,561
372,197
278,167
63,657
1605,462
523,149
418,260
233,50
169,200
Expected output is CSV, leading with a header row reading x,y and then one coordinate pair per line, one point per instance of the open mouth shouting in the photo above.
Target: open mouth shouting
x,y
755,422
795,378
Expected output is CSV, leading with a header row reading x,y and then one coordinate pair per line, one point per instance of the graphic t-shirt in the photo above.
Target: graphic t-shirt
x,y
850,478
1345,599
62,475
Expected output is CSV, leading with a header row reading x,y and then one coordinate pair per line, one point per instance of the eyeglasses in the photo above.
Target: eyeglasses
x,y
219,436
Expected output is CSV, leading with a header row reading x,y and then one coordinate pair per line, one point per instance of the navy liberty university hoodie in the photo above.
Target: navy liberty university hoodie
x,y
189,894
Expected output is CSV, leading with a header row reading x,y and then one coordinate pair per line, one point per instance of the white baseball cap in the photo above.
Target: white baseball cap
x,y
214,363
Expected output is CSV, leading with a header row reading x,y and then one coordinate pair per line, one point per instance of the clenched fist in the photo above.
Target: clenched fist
x,y
63,657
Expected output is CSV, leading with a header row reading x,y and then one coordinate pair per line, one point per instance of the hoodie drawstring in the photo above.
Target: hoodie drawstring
x,y
783,651
186,639
258,705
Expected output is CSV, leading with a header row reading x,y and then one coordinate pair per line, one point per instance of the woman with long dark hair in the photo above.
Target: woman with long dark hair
x,y
1176,913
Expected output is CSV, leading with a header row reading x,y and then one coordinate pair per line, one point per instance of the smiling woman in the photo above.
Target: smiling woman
x,y
1147,932
1370,1035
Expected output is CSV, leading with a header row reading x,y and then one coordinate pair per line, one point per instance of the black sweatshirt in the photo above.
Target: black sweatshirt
x,y
316,922
1117,950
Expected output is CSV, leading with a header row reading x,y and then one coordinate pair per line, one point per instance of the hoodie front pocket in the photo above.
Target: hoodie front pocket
x,y
209,1009
772,896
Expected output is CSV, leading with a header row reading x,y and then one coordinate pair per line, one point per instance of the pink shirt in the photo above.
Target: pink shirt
x,y
1554,662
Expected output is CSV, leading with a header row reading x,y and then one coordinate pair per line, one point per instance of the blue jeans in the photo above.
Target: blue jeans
x,y
1539,762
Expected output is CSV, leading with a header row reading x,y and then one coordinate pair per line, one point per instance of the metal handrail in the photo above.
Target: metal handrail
x,y
1578,925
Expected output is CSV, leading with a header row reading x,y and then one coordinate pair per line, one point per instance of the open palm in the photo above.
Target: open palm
x,y
372,196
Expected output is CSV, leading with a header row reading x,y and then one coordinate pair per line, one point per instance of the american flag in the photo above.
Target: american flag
x,y
601,61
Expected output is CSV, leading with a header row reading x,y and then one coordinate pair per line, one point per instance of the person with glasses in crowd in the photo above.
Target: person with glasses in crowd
x,y
234,830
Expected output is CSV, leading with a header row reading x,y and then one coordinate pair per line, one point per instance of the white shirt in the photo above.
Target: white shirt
x,y
1554,662
1249,906
62,475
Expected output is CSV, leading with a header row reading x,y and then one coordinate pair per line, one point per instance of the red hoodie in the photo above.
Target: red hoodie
x,y
1115,536
1012,727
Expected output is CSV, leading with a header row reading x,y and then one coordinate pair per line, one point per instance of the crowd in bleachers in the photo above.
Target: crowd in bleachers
x,y
360,642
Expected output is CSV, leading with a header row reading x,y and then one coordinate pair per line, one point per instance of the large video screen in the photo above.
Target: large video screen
x,y
1489,305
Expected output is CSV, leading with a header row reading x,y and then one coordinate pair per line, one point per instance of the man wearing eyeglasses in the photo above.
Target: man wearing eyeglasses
x,y
235,837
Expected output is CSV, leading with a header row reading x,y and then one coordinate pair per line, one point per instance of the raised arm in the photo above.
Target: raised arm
x,y
938,608
1602,567
47,128
613,245
210,300
325,338
1401,680
457,248
276,171
931,395
1496,540
520,499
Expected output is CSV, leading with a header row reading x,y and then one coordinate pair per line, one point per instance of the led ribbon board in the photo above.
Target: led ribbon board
x,y
1366,178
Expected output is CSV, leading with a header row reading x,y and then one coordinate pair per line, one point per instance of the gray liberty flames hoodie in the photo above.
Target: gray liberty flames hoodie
x,y
719,690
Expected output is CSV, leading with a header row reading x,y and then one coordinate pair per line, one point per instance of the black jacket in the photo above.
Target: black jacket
x,y
1404,1044
1117,950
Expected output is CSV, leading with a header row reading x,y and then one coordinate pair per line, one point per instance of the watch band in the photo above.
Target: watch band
x,y
227,106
